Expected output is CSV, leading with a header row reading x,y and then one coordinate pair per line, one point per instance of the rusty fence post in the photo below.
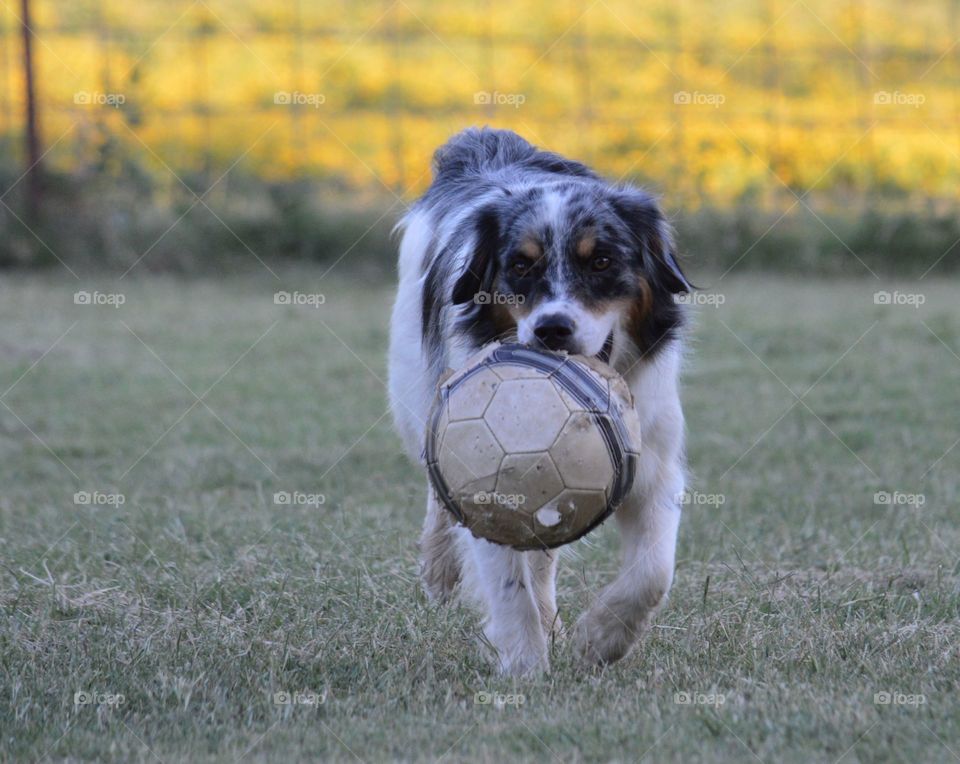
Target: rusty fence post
x,y
34,179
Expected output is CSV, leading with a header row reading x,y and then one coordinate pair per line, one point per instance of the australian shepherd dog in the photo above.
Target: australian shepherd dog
x,y
511,242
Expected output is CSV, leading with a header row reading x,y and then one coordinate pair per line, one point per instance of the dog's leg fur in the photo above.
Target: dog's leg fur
x,y
440,568
544,573
648,520
516,590
624,609
502,580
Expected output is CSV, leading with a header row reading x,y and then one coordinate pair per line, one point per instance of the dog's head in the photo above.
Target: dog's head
x,y
576,267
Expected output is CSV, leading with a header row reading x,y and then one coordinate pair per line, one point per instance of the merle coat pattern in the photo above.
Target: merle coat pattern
x,y
513,242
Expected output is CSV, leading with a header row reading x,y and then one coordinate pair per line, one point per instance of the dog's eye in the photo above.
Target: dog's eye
x,y
600,263
520,267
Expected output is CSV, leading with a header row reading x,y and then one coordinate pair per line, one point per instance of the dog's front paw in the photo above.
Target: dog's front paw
x,y
524,664
600,638
524,657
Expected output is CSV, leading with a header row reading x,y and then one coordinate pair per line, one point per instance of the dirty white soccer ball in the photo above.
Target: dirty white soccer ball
x,y
532,449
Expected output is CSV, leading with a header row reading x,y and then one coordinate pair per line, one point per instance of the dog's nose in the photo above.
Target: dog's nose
x,y
555,332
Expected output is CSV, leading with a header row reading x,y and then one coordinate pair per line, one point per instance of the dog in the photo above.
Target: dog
x,y
513,242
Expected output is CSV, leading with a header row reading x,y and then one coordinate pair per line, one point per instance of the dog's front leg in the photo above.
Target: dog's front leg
x,y
512,622
648,524
543,570
440,569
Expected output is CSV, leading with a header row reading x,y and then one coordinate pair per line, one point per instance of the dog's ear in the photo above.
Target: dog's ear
x,y
482,263
653,237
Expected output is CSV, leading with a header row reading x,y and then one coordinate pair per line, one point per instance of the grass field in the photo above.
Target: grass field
x,y
799,595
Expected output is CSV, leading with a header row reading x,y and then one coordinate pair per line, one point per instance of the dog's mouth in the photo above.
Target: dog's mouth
x,y
604,354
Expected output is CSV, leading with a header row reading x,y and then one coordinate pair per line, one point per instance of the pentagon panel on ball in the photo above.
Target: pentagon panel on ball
x,y
530,448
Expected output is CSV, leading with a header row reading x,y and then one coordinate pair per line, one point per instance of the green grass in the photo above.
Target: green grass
x,y
798,598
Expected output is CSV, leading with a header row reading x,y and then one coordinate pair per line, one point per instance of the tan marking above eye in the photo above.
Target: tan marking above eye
x,y
588,240
531,248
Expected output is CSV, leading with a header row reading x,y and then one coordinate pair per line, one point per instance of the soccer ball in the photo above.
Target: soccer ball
x,y
529,448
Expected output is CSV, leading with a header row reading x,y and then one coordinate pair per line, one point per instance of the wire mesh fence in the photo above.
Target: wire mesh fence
x,y
755,100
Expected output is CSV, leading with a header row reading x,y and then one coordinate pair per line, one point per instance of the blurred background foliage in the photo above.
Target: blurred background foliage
x,y
790,135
